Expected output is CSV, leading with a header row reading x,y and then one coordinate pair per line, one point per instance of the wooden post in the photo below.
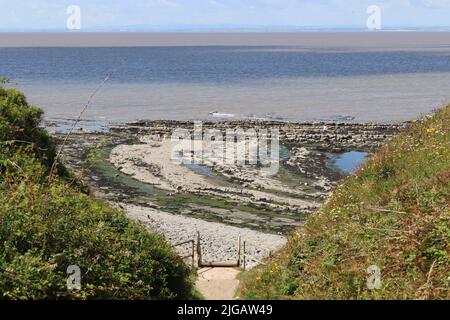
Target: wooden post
x,y
193,253
245,256
199,250
239,251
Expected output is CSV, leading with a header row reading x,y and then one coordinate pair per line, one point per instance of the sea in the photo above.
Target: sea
x,y
385,77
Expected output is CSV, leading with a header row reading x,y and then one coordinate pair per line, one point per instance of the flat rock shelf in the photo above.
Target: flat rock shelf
x,y
130,165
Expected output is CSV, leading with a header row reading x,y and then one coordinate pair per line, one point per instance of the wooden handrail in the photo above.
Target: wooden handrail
x,y
192,254
245,255
183,243
229,264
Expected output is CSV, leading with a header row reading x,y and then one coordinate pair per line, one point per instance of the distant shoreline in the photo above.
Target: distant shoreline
x,y
387,40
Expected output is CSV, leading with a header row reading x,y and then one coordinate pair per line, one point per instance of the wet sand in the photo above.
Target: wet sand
x,y
392,40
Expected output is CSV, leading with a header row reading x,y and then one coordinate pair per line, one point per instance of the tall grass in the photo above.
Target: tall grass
x,y
393,213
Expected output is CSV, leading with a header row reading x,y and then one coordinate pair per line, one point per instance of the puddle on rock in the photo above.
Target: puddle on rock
x,y
205,171
348,162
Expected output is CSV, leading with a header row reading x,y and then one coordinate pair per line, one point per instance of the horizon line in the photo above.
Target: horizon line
x,y
223,28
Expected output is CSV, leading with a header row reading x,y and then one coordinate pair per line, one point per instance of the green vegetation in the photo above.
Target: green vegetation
x,y
393,213
47,226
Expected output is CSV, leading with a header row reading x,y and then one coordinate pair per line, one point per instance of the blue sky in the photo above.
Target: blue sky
x,y
48,14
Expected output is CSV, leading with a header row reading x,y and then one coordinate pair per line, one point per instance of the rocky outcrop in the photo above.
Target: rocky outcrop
x,y
235,194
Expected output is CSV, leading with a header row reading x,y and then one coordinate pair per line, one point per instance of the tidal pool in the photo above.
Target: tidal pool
x,y
203,170
349,161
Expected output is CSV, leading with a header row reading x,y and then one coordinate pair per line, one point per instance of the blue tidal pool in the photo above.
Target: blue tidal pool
x,y
349,161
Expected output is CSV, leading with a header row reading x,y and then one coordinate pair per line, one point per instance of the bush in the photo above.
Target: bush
x,y
46,227
19,127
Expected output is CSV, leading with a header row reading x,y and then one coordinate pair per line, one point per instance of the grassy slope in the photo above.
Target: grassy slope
x,y
45,227
393,213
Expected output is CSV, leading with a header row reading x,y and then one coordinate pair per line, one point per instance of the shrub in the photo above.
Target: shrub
x,y
47,226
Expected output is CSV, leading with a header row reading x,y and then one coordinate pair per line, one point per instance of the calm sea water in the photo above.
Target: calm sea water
x,y
232,82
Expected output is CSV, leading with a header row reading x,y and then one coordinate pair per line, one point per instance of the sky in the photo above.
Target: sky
x,y
33,15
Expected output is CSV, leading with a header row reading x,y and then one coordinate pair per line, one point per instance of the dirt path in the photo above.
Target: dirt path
x,y
218,283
